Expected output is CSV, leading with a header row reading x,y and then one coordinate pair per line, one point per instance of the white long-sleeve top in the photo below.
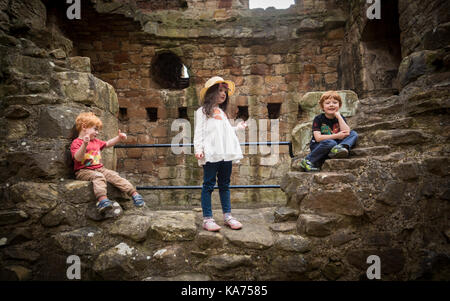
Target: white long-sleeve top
x,y
216,138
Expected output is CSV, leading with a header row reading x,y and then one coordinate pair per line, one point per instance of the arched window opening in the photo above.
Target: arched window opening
x,y
169,72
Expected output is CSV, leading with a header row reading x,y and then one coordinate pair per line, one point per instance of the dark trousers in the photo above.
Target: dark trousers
x,y
221,170
320,150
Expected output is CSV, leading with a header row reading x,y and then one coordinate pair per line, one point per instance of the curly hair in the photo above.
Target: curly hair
x,y
211,99
330,94
89,119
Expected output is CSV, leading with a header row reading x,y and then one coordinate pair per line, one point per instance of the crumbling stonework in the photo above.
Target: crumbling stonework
x,y
390,199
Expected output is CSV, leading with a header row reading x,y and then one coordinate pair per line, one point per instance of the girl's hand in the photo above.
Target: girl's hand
x,y
242,125
122,136
199,155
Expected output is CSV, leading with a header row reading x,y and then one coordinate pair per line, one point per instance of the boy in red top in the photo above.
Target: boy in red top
x,y
86,152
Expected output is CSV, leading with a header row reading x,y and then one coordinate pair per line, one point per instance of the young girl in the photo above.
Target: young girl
x,y
216,146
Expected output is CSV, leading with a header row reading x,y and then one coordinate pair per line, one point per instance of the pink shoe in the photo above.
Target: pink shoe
x,y
232,223
210,225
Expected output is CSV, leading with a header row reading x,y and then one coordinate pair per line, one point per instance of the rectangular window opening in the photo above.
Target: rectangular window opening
x,y
273,110
242,113
123,114
152,114
182,113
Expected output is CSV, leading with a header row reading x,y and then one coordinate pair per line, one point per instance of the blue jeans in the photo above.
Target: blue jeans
x,y
320,150
222,170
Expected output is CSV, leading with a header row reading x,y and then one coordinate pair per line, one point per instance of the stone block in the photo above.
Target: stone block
x,y
292,243
82,87
79,63
301,136
251,236
13,216
400,137
393,193
134,227
343,164
334,178
84,241
209,240
120,262
416,65
17,112
58,121
315,225
341,201
172,226
283,214
227,261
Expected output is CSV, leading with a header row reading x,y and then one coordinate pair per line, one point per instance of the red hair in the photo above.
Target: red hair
x,y
330,94
88,119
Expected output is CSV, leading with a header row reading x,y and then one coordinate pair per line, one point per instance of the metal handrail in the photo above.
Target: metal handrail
x,y
200,187
289,143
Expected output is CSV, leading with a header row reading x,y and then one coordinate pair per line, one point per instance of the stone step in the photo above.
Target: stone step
x,y
370,151
381,105
400,137
319,225
393,138
340,200
386,125
296,184
343,164
333,178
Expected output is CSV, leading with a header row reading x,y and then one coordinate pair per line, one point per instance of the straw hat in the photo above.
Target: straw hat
x,y
216,80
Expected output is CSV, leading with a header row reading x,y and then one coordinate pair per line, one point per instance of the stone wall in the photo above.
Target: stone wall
x,y
43,91
391,199
424,25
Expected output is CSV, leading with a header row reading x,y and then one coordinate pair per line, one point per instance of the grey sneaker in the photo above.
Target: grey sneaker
x,y
104,206
338,151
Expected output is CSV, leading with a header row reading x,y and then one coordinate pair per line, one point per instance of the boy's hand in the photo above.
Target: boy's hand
x,y
337,114
199,155
342,134
86,139
122,136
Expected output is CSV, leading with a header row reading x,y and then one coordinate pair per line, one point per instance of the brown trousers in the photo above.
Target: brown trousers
x,y
100,176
